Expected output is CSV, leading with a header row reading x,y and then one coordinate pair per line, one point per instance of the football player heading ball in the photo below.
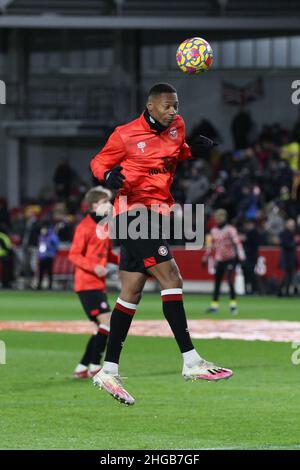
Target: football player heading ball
x,y
126,163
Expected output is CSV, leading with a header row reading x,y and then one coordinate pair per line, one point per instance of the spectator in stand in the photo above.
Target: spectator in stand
x,y
290,151
6,258
296,191
251,239
65,228
264,150
274,224
18,222
30,241
296,130
286,204
47,248
250,203
241,127
4,214
198,186
204,128
288,257
63,179
276,175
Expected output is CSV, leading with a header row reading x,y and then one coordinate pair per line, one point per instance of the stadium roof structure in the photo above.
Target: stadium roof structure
x,y
54,21
199,15
169,8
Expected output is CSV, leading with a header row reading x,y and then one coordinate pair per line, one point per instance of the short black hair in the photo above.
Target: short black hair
x,y
160,88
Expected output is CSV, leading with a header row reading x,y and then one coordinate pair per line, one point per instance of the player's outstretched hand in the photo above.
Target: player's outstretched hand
x,y
114,178
202,143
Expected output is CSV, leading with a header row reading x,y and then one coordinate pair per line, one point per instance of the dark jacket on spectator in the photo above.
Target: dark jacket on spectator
x,y
288,257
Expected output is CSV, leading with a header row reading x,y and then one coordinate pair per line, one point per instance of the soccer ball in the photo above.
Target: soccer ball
x,y
194,56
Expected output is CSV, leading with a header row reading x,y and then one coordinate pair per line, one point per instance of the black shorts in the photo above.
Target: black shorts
x,y
140,254
94,303
227,267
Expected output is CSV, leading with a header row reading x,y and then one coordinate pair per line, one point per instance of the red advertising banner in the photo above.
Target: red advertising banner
x,y
191,267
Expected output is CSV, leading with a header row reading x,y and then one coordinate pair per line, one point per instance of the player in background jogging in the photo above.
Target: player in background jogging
x,y
90,255
224,245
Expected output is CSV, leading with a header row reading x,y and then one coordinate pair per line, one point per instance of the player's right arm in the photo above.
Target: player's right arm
x,y
109,157
209,248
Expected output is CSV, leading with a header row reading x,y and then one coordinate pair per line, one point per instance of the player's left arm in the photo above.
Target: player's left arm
x,y
199,145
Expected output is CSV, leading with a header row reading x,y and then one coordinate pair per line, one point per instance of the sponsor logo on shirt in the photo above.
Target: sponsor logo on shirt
x,y
169,167
157,171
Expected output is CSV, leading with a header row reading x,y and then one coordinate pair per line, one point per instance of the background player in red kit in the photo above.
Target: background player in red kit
x,y
140,159
90,255
224,244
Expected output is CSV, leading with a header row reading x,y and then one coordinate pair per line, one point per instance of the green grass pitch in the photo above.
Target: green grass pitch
x,y
41,406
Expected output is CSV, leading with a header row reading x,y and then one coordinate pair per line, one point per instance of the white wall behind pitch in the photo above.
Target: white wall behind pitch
x,y
43,158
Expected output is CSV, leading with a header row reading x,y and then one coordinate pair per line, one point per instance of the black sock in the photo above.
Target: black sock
x,y
174,312
120,322
99,345
86,358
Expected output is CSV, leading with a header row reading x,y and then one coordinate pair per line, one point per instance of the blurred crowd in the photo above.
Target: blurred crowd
x,y
30,235
258,183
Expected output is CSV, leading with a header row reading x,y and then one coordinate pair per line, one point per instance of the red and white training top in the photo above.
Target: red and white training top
x,y
224,244
149,160
87,251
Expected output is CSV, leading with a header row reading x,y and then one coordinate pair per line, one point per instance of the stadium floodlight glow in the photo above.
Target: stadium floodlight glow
x,y
2,92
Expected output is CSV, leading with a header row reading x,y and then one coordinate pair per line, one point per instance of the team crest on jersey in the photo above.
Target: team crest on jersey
x,y
141,146
173,134
103,305
163,250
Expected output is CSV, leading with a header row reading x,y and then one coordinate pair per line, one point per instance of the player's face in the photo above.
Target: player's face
x,y
163,108
102,207
290,225
220,219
